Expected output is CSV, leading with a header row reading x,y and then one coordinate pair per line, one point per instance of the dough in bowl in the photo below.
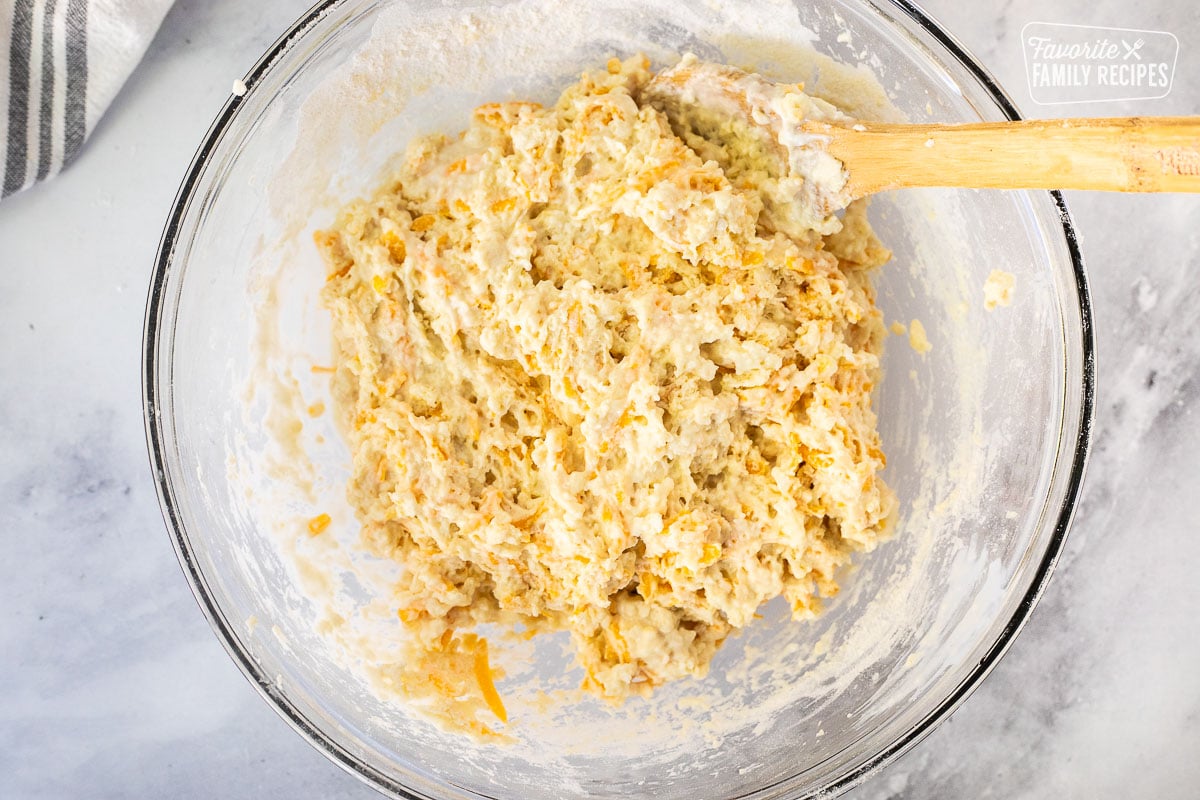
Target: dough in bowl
x,y
588,386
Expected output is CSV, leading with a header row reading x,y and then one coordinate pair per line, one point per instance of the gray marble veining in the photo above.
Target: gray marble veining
x,y
112,685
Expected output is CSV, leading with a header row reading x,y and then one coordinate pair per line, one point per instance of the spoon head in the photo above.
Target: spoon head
x,y
759,133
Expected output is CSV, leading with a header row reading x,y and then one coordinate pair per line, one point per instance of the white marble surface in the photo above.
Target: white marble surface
x,y
112,685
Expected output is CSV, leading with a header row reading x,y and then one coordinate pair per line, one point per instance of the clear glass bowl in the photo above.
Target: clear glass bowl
x,y
987,434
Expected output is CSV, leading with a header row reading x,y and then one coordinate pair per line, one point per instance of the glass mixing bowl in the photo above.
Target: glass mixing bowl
x,y
987,434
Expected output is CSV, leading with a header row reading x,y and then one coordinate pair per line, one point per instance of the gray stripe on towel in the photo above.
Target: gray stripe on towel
x,y
46,123
18,97
75,118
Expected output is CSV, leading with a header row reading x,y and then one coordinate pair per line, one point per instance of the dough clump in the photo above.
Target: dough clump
x,y
588,387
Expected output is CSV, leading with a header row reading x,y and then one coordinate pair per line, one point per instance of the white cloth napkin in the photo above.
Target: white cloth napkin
x,y
61,64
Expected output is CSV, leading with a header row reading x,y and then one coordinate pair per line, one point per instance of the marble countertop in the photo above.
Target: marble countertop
x,y
112,684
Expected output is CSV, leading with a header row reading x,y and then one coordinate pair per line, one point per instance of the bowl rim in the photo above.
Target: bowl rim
x,y
157,302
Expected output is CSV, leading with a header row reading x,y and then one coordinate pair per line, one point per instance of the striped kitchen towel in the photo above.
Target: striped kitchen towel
x,y
61,64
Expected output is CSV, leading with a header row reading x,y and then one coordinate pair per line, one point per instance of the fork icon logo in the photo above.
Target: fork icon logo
x,y
1132,49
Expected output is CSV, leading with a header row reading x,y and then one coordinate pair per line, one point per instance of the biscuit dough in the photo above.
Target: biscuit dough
x,y
998,289
588,387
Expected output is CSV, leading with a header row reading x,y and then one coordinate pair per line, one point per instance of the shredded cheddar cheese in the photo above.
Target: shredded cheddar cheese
x,y
483,674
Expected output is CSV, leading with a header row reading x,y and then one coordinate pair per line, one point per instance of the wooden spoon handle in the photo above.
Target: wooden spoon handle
x,y
1136,154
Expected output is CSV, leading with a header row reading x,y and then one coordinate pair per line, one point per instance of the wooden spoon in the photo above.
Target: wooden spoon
x,y
1134,154
827,159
